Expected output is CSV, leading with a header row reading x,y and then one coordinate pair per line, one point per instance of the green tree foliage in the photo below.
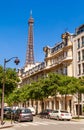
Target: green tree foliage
x,y
11,80
51,85
13,98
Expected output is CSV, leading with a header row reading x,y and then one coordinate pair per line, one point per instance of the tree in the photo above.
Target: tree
x,y
14,97
11,80
79,90
54,83
67,86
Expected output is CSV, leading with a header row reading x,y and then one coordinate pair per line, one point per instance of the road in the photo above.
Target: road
x,y
47,124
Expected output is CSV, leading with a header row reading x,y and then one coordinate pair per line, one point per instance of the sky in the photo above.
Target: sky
x,y
51,19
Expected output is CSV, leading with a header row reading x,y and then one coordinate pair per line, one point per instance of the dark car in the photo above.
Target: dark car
x,y
45,113
6,111
10,114
23,114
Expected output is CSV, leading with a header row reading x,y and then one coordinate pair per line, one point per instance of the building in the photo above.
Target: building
x,y
78,51
66,57
78,62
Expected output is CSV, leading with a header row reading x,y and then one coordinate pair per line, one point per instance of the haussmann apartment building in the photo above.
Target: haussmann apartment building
x,y
67,58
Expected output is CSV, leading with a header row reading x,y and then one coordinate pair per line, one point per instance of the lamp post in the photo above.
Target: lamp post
x,y
16,61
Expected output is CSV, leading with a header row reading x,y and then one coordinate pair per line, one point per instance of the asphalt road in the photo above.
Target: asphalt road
x,y
47,124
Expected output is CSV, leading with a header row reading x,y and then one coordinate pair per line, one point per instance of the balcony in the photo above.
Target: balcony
x,y
35,69
67,58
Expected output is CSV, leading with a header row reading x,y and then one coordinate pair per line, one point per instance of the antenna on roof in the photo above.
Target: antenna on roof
x,y
31,13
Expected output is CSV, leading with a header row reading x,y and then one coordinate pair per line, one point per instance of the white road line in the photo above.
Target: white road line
x,y
42,123
33,123
26,124
54,123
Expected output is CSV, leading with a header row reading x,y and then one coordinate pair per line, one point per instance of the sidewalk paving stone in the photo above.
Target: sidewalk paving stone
x,y
7,124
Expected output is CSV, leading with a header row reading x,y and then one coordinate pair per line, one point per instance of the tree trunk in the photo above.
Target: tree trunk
x,y
42,106
55,101
65,102
36,107
78,104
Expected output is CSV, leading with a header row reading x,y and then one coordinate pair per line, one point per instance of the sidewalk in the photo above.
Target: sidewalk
x,y
6,124
78,120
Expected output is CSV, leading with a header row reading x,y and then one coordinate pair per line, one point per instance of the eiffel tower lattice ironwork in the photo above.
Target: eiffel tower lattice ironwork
x,y
30,51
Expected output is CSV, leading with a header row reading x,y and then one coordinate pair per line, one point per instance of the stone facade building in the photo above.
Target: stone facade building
x,y
67,58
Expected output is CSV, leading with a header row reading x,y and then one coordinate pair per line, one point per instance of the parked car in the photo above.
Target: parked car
x,y
23,114
60,115
32,110
6,110
45,113
10,114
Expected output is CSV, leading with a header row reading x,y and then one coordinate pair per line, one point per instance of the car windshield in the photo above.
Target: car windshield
x,y
26,111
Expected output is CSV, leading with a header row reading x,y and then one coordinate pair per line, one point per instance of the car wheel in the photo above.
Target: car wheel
x,y
48,116
31,120
58,118
68,120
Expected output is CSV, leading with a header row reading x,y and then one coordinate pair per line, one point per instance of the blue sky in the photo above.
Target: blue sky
x,y
51,17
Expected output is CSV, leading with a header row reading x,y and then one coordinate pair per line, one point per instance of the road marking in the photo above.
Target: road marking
x,y
42,123
46,123
54,123
31,123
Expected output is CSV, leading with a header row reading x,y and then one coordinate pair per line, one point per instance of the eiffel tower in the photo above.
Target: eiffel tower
x,y
30,51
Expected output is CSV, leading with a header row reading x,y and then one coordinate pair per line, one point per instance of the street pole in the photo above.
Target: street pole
x,y
2,100
3,87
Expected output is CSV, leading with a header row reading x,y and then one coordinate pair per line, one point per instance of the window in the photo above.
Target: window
x,y
82,54
79,56
65,54
52,61
83,68
78,43
79,69
83,41
65,71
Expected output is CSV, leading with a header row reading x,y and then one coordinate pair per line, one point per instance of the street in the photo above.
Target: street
x,y
47,124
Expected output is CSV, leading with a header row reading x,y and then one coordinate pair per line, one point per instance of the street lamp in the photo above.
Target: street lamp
x,y
16,61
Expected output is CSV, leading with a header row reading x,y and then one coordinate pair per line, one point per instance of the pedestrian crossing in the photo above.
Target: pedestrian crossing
x,y
41,123
45,123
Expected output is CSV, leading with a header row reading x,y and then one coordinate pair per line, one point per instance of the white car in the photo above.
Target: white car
x,y
32,110
60,115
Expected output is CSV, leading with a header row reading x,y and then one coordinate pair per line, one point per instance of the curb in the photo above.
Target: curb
x,y
8,126
76,120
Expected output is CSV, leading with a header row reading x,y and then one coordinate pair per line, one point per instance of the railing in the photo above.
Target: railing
x,y
34,69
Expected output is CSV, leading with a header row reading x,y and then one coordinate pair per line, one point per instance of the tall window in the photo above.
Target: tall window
x,y
83,68
65,54
61,71
82,54
78,43
65,70
79,56
79,69
83,41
